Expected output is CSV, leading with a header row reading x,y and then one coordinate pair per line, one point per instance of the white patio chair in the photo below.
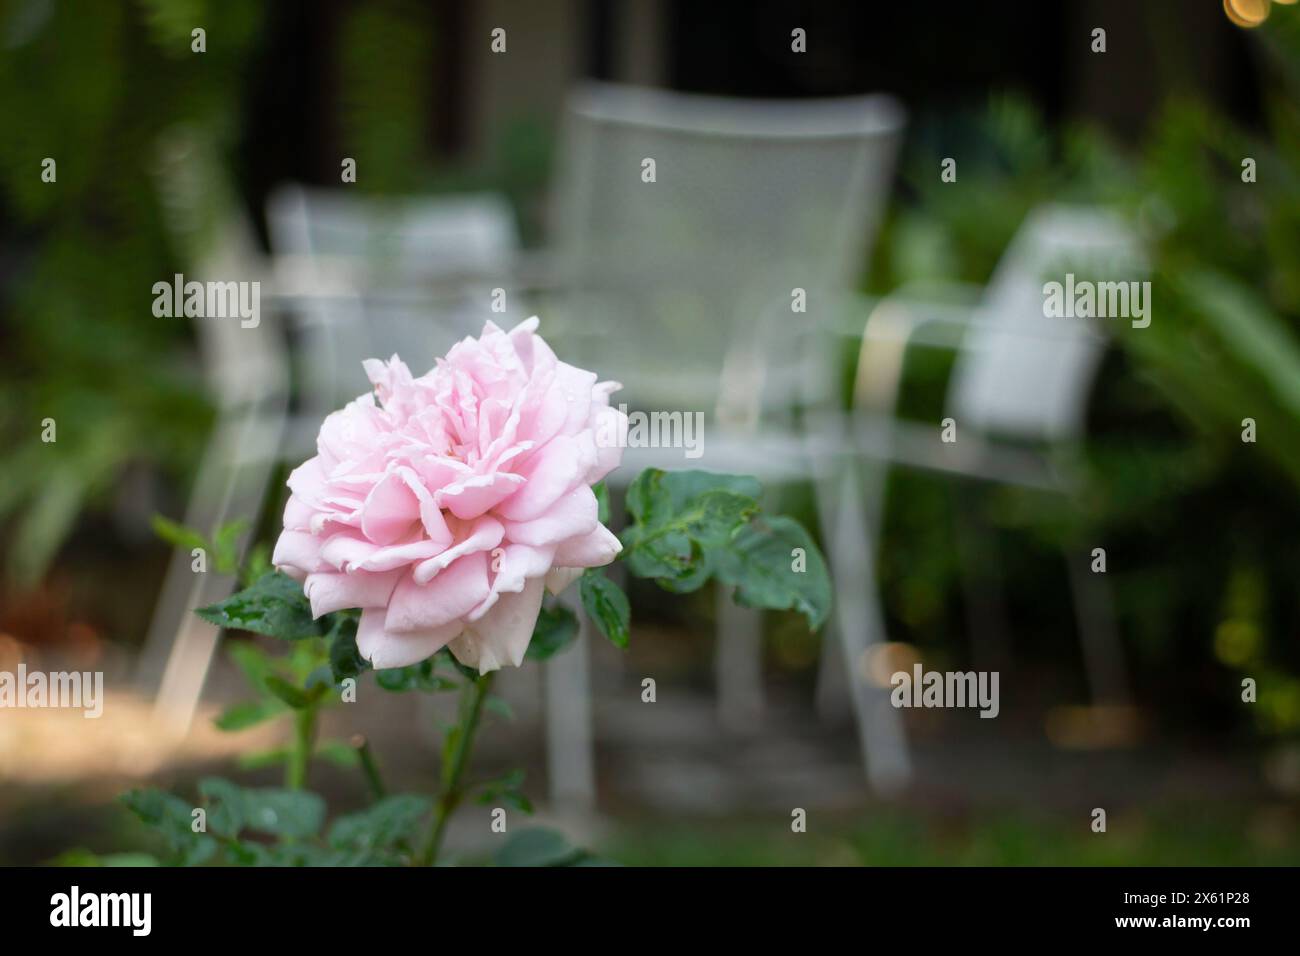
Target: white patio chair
x,y
1018,395
364,277
357,279
668,285
247,374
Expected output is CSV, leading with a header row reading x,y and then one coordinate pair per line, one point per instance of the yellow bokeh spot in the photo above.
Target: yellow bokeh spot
x,y
881,662
1246,13
1235,642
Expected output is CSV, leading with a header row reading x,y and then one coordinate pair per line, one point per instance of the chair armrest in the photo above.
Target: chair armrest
x,y
895,324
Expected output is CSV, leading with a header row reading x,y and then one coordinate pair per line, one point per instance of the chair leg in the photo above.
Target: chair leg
x,y
570,748
858,626
176,599
831,693
738,657
738,664
1103,655
243,456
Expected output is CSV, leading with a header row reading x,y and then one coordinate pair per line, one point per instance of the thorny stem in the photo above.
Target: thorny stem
x,y
455,759
369,767
304,742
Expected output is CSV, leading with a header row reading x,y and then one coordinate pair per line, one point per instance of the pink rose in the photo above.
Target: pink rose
x,y
442,505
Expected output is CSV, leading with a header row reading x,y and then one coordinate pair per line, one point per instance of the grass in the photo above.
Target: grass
x,y
1222,835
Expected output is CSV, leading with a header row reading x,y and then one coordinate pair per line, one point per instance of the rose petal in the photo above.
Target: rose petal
x,y
389,510
572,515
609,430
514,565
298,550
329,591
384,648
297,514
453,593
589,551
473,496
347,552
557,579
502,635
550,472
485,535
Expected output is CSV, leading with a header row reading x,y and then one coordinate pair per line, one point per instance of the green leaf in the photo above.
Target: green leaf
x,y
223,550
338,752
556,627
678,551
499,706
506,789
393,823
421,676
537,847
345,659
273,605
693,525
288,813
319,682
510,780
679,519
173,818
254,662
293,696
607,606
655,496
225,546
176,534
762,563
1252,334
445,655
398,679
602,502
157,808
256,564
225,805
45,523
261,759
517,800
247,714
276,811
512,798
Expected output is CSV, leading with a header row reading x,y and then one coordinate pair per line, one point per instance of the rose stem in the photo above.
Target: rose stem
x,y
369,767
304,741
471,706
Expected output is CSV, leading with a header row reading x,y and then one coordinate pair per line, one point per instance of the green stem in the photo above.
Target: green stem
x,y
304,742
453,766
369,767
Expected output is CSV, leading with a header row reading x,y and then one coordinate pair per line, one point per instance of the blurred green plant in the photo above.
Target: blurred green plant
x,y
1172,485
94,88
688,527
143,144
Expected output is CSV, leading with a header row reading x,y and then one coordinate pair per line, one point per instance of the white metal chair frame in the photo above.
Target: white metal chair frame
x,y
335,292
852,487
748,391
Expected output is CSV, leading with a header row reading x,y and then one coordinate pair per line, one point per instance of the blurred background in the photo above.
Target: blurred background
x,y
518,171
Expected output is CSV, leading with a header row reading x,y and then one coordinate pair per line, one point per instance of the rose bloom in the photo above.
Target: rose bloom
x,y
443,505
